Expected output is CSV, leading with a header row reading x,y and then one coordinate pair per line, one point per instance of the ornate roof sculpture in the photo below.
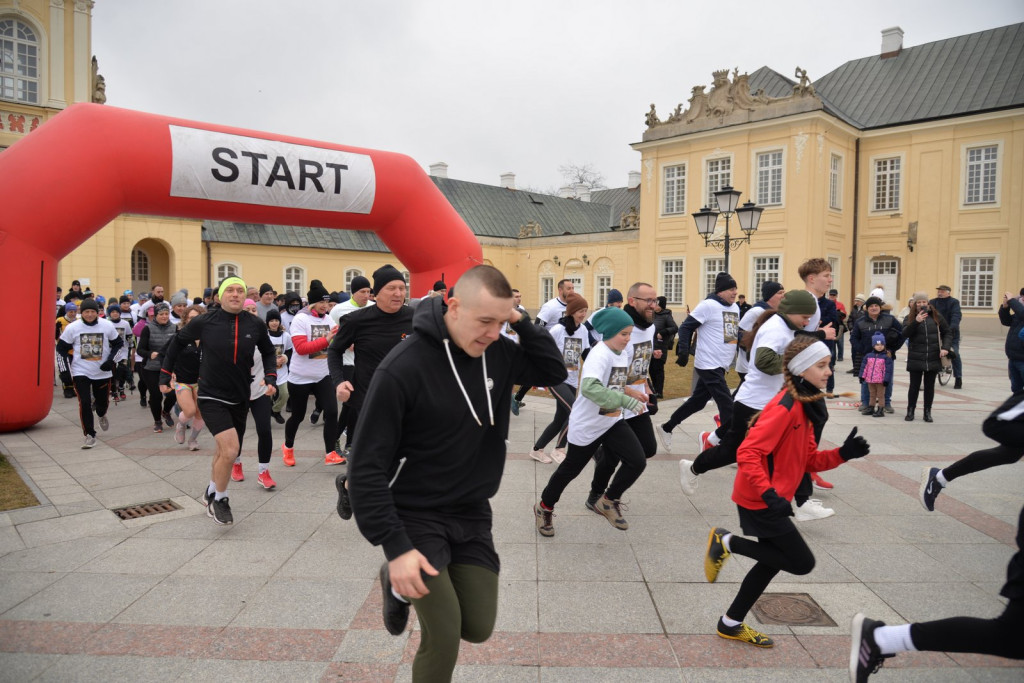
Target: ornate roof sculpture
x,y
731,103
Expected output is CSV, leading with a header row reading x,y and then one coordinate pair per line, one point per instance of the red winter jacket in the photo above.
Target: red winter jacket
x,y
776,453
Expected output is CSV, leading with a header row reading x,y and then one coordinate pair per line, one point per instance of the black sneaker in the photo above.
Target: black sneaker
x,y
930,488
744,633
142,401
344,504
314,417
395,612
865,657
591,503
168,420
716,554
277,418
220,511
207,498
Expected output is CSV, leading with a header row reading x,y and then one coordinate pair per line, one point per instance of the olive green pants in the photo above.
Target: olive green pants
x,y
462,605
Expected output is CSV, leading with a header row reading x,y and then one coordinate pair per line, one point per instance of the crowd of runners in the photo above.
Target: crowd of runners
x,y
423,393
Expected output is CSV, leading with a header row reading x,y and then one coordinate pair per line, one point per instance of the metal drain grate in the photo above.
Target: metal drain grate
x,y
146,509
791,609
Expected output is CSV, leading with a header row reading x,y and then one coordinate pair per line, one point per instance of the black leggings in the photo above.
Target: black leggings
x,y
564,395
620,446
982,460
328,401
1001,636
157,402
710,386
260,409
915,386
725,452
657,373
348,373
786,553
89,390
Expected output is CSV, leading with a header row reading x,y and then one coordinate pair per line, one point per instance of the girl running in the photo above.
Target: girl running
x,y
778,450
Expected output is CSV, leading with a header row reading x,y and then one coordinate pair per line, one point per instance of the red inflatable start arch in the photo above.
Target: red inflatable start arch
x,y
90,163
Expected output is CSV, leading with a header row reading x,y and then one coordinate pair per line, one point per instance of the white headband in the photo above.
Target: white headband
x,y
808,357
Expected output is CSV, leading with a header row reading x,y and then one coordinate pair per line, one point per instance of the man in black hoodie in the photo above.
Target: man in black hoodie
x,y
429,453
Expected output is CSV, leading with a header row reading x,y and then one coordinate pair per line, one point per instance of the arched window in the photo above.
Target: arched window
x,y
351,274
226,270
19,62
140,265
295,279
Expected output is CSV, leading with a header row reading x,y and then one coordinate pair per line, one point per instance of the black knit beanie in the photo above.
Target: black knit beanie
x,y
385,274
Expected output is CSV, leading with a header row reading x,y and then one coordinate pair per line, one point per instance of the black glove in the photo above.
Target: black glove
x,y
107,365
652,405
777,504
854,446
682,356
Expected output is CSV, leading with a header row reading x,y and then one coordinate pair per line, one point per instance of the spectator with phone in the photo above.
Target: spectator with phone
x,y
928,341
1011,314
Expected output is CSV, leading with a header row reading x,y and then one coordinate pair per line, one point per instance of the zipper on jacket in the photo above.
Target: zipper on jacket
x,y
401,464
235,356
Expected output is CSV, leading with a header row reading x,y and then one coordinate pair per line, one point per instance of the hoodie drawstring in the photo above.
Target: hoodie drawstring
x,y
451,363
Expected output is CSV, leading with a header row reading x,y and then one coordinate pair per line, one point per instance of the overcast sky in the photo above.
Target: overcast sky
x,y
488,87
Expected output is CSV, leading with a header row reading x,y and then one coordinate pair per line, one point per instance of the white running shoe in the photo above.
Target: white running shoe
x,y
665,438
558,455
687,479
811,509
540,456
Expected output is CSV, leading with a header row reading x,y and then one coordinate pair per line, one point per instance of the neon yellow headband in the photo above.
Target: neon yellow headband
x,y
230,281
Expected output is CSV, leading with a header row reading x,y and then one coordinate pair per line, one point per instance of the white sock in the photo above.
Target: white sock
x,y
211,489
714,439
264,466
893,639
730,622
725,542
238,459
397,596
220,494
941,478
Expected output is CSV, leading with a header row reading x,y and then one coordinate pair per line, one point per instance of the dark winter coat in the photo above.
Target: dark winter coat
x,y
924,341
1013,317
860,335
665,325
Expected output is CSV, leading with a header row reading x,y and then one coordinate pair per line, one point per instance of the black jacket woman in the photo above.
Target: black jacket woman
x,y
665,329
928,340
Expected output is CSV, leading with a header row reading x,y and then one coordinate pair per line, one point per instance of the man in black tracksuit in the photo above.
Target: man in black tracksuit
x,y
429,453
229,337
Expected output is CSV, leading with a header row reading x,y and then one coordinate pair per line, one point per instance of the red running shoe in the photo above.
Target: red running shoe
x,y
820,483
265,481
236,472
288,456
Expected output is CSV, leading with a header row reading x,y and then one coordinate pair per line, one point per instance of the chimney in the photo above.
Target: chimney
x,y
508,180
565,192
439,170
582,192
892,42
634,180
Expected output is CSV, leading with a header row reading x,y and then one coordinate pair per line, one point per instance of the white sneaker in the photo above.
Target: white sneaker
x,y
179,431
90,441
812,509
558,455
104,423
540,456
687,479
664,437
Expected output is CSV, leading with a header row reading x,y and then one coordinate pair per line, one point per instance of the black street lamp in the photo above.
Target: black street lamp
x,y
706,219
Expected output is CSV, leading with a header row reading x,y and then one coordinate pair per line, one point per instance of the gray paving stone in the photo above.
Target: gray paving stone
x,y
83,597
926,602
46,532
517,606
57,557
696,607
146,556
229,557
877,563
355,559
518,561
192,601
379,647
323,602
589,562
614,607
21,666
18,586
563,674
252,672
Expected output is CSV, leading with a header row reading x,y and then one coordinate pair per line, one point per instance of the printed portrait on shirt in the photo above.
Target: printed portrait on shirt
x,y
279,350
318,332
572,349
616,382
642,354
92,346
730,327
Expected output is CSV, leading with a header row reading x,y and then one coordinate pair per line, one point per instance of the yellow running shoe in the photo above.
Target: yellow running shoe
x,y
744,633
716,554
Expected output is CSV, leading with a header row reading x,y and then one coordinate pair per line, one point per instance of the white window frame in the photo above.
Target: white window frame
x,y
709,191
707,277
995,281
965,150
601,289
755,284
302,278
836,263
227,264
757,173
678,277
900,194
546,289
835,181
678,204
352,273
40,67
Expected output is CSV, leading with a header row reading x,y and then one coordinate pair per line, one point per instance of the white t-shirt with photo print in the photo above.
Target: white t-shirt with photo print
x,y
639,353
719,330
588,421
309,368
572,347
91,347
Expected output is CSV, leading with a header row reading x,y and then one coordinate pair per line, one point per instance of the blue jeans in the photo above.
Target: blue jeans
x,y
958,365
1016,372
864,394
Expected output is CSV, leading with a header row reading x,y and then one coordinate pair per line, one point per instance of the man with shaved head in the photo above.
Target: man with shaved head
x,y
429,452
